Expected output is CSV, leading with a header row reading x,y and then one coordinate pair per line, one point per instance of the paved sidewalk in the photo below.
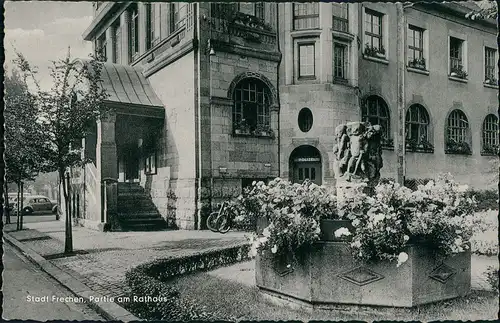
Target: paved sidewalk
x,y
103,258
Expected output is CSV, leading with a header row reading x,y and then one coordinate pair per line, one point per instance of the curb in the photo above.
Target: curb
x,y
109,310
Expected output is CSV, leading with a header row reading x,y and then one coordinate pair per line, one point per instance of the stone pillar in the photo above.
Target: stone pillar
x,y
124,22
107,168
142,11
109,44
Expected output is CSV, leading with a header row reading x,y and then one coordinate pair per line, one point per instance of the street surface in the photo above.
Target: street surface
x,y
30,294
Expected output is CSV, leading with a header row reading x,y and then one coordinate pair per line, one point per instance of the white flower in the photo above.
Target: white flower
x,y
402,258
253,183
266,232
288,266
406,238
356,244
263,240
342,232
355,222
274,249
462,188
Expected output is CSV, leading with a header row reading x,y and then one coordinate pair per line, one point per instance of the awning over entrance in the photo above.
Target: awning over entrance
x,y
126,84
129,92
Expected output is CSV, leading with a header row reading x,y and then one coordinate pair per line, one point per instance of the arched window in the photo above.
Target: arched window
x,y
417,128
375,111
490,135
458,133
251,108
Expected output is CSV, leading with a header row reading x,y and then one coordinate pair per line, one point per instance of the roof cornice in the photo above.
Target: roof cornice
x,y
104,12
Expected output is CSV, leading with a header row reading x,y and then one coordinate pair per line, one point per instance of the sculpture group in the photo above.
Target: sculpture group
x,y
358,152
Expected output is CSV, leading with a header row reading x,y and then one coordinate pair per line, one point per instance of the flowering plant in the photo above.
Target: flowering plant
x,y
438,214
293,212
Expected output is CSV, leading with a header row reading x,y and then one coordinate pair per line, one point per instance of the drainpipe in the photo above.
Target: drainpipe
x,y
278,87
401,100
197,192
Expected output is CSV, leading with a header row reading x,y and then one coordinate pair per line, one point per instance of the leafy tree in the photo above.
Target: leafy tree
x,y
487,9
65,112
22,139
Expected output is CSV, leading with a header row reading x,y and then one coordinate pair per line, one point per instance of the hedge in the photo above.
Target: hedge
x,y
486,199
150,279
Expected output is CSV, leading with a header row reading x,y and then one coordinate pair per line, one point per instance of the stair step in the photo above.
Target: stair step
x,y
139,215
144,224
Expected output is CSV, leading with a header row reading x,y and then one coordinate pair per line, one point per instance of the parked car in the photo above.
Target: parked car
x,y
13,200
37,203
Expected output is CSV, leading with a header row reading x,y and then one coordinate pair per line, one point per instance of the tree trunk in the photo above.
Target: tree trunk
x,y
7,206
68,241
18,205
22,205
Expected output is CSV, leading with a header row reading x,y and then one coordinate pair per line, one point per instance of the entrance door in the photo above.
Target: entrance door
x,y
303,171
132,156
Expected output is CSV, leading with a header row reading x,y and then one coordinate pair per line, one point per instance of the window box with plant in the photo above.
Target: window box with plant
x,y
373,51
459,148
459,72
490,150
242,128
491,81
421,145
263,131
418,63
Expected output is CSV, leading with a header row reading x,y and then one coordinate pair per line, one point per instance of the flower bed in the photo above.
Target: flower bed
x,y
384,229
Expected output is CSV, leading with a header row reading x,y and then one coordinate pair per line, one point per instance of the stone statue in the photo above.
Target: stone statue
x,y
340,150
358,152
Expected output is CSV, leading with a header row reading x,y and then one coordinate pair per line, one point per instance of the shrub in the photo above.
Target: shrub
x,y
486,199
169,307
492,277
485,238
294,211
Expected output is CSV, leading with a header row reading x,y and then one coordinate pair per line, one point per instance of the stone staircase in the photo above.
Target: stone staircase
x,y
136,210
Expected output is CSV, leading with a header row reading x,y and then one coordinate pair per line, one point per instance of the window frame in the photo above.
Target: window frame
x,y
101,47
259,10
313,18
261,102
133,32
490,135
366,116
369,35
345,64
458,133
150,24
342,21
151,163
493,67
459,61
420,48
299,61
116,40
423,128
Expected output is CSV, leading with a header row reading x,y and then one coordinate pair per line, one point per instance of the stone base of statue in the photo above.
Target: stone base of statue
x,y
328,277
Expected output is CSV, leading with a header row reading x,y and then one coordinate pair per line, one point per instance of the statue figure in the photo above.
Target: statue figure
x,y
358,149
358,152
340,150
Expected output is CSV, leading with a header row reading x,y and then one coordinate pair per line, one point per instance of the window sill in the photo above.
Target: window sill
x,y
252,135
150,173
387,147
306,78
417,70
491,86
419,150
305,33
448,152
487,153
341,81
457,79
376,59
342,35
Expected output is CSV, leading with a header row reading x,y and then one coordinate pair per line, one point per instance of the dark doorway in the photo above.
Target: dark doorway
x,y
305,163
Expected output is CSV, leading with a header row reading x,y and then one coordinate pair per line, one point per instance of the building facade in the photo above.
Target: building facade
x,y
210,97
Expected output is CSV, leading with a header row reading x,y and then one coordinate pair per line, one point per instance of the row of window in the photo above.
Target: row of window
x,y
161,20
306,16
375,111
251,111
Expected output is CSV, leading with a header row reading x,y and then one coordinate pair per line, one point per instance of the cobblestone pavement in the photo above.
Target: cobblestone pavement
x,y
103,258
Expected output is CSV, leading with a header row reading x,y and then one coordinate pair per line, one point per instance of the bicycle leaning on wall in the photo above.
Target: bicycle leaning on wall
x,y
222,220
